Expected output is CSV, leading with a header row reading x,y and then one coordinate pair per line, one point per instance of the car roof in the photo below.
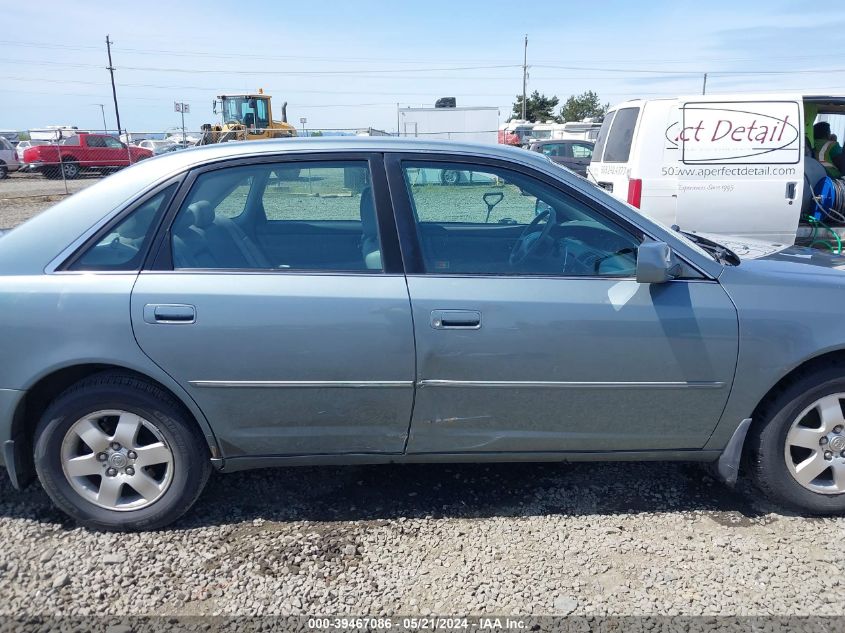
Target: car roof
x,y
175,162
223,151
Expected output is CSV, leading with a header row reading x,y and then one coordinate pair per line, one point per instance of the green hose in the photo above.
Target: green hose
x,y
836,250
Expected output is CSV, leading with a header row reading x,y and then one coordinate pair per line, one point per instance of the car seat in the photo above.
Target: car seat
x,y
202,239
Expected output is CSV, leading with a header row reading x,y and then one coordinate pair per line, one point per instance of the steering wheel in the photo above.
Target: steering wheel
x,y
532,237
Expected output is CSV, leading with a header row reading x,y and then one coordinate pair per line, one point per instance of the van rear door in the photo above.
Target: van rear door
x,y
740,165
609,167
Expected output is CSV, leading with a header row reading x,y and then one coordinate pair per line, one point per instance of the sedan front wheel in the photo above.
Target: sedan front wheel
x,y
118,453
797,446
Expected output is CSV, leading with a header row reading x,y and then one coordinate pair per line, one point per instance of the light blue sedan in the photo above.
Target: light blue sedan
x,y
345,301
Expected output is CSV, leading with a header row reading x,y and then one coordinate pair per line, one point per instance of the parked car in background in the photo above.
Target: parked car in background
x,y
21,147
173,147
81,152
575,155
8,158
156,147
190,313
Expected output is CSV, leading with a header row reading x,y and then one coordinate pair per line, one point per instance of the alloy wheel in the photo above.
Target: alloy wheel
x,y
815,446
117,460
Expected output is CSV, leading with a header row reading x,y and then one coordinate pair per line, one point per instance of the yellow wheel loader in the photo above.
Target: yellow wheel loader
x,y
246,117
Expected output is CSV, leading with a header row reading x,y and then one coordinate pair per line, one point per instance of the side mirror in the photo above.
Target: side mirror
x,y
654,263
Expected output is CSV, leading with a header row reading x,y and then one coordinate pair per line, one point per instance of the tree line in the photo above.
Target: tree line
x,y
540,108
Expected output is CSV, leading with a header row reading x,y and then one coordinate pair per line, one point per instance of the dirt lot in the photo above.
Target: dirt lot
x,y
23,196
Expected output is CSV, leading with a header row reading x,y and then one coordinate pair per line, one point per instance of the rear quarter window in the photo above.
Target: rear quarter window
x,y
602,137
618,145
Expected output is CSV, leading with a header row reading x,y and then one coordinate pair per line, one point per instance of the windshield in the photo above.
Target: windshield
x,y
249,111
601,193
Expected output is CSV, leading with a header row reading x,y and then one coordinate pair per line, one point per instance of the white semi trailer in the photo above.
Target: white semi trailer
x,y
470,124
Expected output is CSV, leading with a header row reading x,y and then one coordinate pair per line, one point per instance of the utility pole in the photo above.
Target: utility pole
x,y
524,77
704,87
110,68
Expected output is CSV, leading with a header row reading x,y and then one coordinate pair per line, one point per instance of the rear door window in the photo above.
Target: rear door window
x,y
123,247
621,136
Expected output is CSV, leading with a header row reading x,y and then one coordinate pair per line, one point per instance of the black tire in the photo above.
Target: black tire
x,y
4,170
766,444
70,169
191,463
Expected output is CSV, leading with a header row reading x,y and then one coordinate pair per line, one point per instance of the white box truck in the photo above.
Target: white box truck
x,y
726,164
469,124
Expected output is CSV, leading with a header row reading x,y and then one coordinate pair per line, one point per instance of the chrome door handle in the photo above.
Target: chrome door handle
x,y
456,319
176,313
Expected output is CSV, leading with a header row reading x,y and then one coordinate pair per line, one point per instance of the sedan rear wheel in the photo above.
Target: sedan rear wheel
x,y
117,460
118,453
796,448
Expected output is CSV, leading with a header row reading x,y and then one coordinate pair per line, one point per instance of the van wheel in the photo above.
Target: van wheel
x,y
4,170
797,447
117,453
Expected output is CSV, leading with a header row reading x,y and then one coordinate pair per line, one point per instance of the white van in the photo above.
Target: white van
x,y
729,164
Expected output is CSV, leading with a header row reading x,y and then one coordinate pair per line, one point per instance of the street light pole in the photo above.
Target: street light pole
x,y
182,108
103,112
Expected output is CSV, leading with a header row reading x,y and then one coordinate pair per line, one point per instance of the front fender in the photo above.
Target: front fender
x,y
788,317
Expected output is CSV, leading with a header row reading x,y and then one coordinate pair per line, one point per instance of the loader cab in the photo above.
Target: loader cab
x,y
251,111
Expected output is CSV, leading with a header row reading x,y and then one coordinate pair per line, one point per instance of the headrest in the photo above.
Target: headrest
x,y
203,214
368,212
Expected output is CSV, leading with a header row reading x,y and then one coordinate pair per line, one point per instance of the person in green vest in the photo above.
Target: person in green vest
x,y
828,151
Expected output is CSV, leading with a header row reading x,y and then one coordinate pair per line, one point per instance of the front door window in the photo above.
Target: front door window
x,y
492,221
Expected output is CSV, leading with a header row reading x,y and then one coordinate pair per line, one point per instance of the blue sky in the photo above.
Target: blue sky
x,y
347,64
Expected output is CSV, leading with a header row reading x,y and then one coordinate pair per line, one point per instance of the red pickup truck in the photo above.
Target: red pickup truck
x,y
83,151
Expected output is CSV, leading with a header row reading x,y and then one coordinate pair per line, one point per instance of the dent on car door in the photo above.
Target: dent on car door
x,y
286,347
559,350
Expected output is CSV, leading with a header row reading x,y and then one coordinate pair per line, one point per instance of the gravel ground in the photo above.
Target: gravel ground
x,y
583,539
23,196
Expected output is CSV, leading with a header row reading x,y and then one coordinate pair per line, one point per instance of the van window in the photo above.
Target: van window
x,y
621,135
602,137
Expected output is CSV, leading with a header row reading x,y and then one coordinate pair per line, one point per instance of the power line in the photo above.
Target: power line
x,y
388,71
217,89
696,72
207,54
